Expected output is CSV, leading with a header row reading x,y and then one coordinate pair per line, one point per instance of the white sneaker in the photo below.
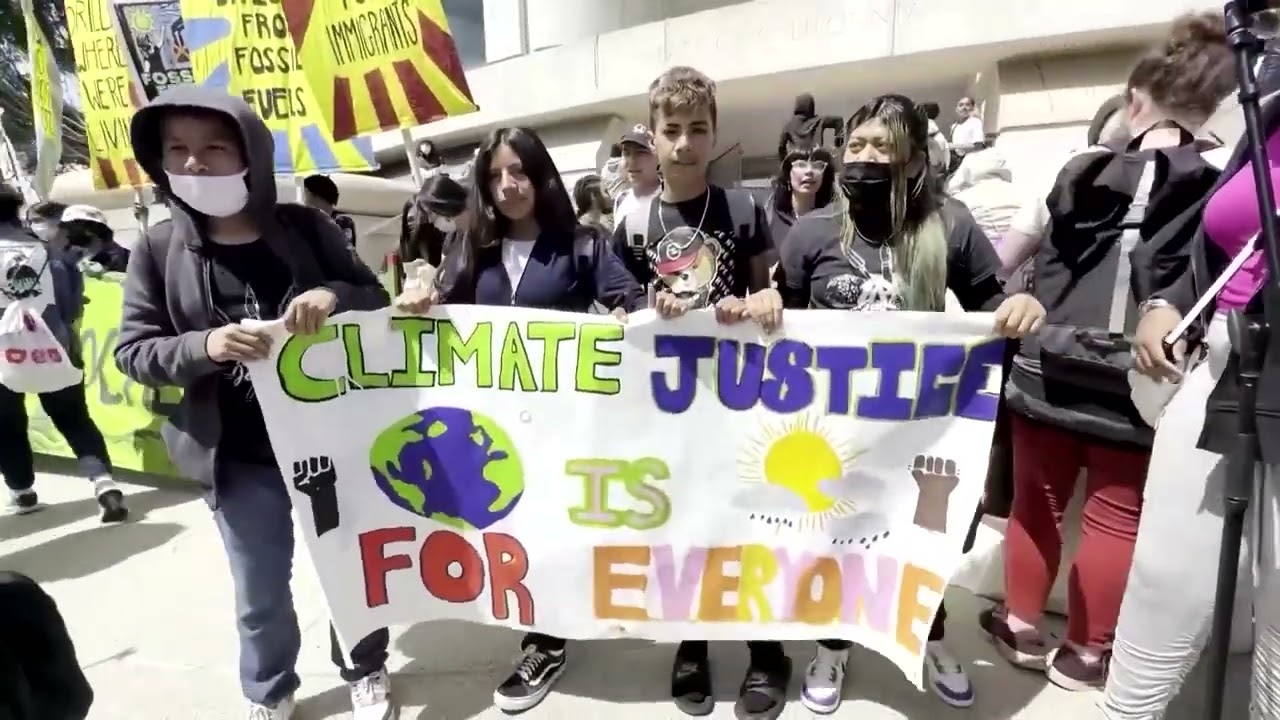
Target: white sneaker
x,y
24,502
946,676
824,680
371,697
283,710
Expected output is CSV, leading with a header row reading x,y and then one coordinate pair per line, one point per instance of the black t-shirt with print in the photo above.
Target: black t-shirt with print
x,y
821,273
249,282
694,250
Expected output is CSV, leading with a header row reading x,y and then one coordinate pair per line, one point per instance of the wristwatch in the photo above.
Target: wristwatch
x,y
1151,304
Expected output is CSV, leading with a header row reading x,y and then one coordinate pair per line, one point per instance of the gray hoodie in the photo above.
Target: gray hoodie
x,y
168,311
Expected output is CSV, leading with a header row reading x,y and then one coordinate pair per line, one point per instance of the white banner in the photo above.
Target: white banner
x,y
659,479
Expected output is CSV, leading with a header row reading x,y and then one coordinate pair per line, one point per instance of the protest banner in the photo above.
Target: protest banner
x,y
153,40
128,414
107,96
659,479
379,64
244,48
46,104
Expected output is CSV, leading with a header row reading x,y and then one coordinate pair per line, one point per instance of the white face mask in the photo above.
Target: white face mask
x,y
444,225
212,195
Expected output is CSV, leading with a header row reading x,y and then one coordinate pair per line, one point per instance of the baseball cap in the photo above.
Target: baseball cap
x,y
638,135
86,214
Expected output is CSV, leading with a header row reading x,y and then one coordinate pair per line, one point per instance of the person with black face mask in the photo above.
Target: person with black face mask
x,y
895,244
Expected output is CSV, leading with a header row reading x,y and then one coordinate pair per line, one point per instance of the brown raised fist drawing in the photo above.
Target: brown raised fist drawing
x,y
937,478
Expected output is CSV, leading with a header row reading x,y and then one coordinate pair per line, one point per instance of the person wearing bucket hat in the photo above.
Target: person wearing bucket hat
x,y
65,407
86,235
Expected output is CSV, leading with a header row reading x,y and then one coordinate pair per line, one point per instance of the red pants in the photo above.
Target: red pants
x,y
1046,463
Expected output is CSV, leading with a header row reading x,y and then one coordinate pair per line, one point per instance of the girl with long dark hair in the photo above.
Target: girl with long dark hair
x,y
895,243
525,247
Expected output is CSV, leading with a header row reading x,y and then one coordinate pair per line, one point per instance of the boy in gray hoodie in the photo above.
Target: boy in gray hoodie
x,y
232,253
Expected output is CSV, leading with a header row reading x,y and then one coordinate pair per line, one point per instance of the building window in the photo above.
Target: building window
x,y
466,23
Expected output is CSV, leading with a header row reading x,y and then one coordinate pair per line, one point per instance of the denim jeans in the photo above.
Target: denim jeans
x,y
69,412
253,518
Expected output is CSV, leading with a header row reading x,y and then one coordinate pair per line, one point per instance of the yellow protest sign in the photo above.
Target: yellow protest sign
x,y
107,97
244,48
128,414
379,64
46,104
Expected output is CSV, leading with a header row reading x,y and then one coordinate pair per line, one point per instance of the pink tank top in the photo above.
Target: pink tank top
x,y
1231,220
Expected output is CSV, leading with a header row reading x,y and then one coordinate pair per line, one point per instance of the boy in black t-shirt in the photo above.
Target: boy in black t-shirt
x,y
705,246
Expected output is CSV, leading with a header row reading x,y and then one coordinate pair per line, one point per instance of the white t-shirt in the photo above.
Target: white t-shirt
x,y
515,257
969,132
627,202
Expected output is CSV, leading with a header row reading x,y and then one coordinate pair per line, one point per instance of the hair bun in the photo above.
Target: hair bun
x,y
1193,32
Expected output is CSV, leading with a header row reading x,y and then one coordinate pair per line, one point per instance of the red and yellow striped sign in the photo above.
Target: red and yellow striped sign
x,y
378,64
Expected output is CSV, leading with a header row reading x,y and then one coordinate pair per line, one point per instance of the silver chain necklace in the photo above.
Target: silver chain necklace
x,y
706,205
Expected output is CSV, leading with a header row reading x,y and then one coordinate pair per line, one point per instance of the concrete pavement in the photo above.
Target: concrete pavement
x,y
149,606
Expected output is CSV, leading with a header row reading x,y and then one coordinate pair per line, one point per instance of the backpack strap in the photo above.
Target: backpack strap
x,y
1130,237
637,224
742,211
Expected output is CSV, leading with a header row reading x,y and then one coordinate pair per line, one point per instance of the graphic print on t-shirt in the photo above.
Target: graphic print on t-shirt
x,y
688,263
863,289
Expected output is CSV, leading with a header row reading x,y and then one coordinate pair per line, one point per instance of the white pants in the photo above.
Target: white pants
x,y
1168,604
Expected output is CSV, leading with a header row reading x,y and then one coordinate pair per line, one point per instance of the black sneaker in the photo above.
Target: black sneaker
x,y
691,682
537,671
24,502
764,690
111,500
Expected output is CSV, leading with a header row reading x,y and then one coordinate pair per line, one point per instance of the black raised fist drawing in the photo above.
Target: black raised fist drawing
x,y
937,478
316,478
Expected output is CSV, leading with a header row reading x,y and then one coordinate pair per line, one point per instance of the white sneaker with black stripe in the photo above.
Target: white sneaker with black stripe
x,y
538,670
110,499
24,502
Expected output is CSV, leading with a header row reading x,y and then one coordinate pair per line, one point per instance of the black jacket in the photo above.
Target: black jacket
x,y
1182,279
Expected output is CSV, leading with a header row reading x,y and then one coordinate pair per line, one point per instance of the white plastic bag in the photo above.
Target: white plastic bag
x,y
31,358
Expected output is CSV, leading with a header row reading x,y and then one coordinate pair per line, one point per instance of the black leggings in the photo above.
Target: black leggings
x,y
40,678
70,415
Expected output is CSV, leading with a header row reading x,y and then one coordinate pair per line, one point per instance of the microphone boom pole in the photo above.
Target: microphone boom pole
x,y
1249,338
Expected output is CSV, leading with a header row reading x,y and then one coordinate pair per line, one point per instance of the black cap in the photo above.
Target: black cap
x,y
638,135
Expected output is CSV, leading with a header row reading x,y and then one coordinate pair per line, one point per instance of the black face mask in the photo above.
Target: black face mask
x,y
869,189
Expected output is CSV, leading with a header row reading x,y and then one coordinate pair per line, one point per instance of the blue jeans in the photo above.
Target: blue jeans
x,y
253,518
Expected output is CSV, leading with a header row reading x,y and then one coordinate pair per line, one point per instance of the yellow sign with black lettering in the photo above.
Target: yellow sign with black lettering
x,y
245,49
379,64
107,96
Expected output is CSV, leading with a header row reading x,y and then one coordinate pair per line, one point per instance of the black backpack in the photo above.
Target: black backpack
x,y
1106,212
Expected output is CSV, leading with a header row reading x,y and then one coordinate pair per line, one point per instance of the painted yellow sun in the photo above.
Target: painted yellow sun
x,y
798,455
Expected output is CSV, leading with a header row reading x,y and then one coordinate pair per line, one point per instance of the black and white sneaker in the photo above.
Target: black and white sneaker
x,y
110,499
537,671
24,502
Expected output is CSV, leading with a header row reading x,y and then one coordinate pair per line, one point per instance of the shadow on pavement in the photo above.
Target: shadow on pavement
x,y
67,513
88,551
455,666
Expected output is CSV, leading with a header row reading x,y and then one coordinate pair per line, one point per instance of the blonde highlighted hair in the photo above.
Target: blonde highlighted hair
x,y
919,237
681,88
